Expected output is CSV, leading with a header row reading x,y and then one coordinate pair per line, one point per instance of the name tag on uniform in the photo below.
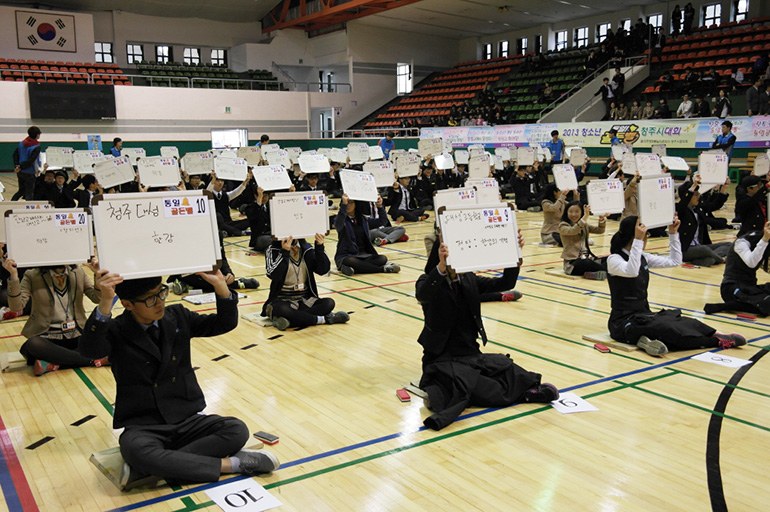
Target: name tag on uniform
x,y
68,326
299,287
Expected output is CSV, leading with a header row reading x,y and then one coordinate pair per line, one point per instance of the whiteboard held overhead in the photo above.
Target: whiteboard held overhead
x,y
169,152
114,172
526,156
156,233
313,164
359,186
252,154
158,171
454,197
358,152
375,153
383,172
133,154
480,237
648,164
479,167
462,157
408,165
504,153
577,157
6,206
198,163
49,237
294,154
299,214
659,149
271,177
58,158
338,155
629,163
430,147
444,161
564,176
227,168
487,190
761,165
656,201
712,167
606,196
84,161
280,157
674,163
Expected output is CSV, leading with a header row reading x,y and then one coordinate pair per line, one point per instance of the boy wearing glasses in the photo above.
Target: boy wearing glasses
x,y
158,399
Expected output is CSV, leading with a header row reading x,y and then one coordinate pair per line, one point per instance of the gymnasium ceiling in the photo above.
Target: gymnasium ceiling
x,y
454,19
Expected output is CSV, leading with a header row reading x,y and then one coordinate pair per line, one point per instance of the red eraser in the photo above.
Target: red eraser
x,y
746,317
601,348
403,395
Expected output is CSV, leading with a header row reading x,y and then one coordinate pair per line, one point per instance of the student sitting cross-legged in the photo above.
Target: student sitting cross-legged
x,y
455,373
574,229
355,252
158,400
294,301
58,316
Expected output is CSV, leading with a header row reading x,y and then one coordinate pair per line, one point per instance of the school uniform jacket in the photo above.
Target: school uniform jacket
x,y
695,219
573,235
277,264
752,210
395,197
346,245
37,286
155,383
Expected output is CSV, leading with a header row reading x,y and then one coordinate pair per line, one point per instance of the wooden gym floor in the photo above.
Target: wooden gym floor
x,y
671,433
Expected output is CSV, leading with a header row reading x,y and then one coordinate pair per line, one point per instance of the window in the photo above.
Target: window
x,y
601,31
163,54
625,25
135,53
218,57
712,15
502,49
538,44
192,56
561,40
521,46
103,52
655,21
581,36
403,78
487,51
740,10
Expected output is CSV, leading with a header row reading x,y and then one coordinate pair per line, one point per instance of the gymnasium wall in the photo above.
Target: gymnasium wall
x,y
84,38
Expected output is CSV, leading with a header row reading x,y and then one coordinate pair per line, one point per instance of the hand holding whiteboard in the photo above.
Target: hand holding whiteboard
x,y
271,177
408,166
312,164
299,214
198,163
227,168
133,154
359,186
384,175
648,164
59,236
112,173
294,154
444,161
59,158
606,196
564,176
487,190
712,167
656,201
157,171
454,197
430,147
674,163
252,155
577,157
84,161
358,152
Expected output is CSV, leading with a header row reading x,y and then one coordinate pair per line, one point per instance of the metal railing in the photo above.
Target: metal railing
x,y
364,133
67,76
631,62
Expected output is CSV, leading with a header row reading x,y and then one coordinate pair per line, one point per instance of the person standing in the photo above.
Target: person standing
x,y
676,20
26,161
556,146
607,96
618,84
752,98
726,140
117,146
689,17
387,144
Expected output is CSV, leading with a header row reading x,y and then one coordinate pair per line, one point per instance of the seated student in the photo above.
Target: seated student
x,y
425,186
739,289
525,189
258,214
222,200
403,204
90,188
631,320
181,284
61,193
381,231
57,317
648,112
293,301
355,252
630,194
751,204
455,373
331,182
43,184
553,209
309,183
574,229
693,232
158,400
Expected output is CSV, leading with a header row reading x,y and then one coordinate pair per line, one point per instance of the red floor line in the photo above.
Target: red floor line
x,y
23,490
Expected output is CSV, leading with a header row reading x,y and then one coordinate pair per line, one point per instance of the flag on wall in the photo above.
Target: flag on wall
x,y
38,30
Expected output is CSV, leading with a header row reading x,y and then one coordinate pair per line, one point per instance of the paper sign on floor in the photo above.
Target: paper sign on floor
x,y
570,402
243,495
721,359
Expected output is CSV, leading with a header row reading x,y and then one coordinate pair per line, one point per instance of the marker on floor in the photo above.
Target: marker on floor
x,y
40,443
275,337
249,346
82,420
220,357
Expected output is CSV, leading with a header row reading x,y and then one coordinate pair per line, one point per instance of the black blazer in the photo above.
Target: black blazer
x,y
395,197
155,385
277,264
695,219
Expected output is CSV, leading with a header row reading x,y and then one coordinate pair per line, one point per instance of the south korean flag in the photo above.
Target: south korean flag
x,y
40,30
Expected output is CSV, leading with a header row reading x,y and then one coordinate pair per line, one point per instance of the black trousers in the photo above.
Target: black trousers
x,y
667,325
303,316
190,451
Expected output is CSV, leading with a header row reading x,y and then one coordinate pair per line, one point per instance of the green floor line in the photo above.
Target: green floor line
x,y
94,391
714,381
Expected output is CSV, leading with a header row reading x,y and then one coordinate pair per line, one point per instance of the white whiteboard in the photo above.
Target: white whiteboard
x,y
156,233
158,171
444,161
606,196
280,157
225,153
761,165
198,163
49,237
656,201
454,197
57,158
375,153
629,163
299,214
578,157
659,149
395,153
227,168
648,164
338,155
84,161
487,190
476,150
271,177
479,167
133,154
252,154
269,147
358,152
430,147
526,156
674,163
462,157
6,206
169,151
618,150
359,186
498,162
480,237
564,176
544,154
504,153
294,154
408,165
311,164
384,175
114,172
712,167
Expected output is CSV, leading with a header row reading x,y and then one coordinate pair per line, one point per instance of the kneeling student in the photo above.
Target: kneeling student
x,y
158,399
293,300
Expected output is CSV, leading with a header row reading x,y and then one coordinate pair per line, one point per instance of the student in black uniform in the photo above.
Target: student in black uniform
x,y
455,373
355,252
258,214
694,233
751,204
403,203
294,301
739,290
222,200
525,189
631,320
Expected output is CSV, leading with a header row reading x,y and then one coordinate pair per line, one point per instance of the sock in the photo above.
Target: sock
x,y
235,464
241,286
321,320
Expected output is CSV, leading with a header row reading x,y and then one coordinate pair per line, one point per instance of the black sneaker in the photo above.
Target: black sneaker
x,y
347,270
250,283
130,479
730,340
340,317
257,462
542,393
